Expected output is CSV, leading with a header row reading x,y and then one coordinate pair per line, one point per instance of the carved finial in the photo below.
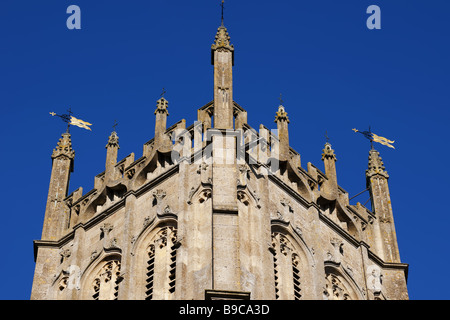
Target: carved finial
x,y
64,147
376,165
328,152
162,105
281,115
113,140
222,40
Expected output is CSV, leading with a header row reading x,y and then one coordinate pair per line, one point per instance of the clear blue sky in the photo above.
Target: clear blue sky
x,y
334,73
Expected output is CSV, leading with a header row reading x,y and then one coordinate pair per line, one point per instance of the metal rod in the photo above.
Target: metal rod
x,y
358,194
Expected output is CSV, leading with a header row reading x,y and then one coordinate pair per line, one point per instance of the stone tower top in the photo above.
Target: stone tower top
x,y
328,153
376,165
161,106
113,140
64,147
222,58
222,42
281,115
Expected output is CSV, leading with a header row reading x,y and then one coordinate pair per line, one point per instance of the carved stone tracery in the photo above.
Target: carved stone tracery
x,y
106,285
335,289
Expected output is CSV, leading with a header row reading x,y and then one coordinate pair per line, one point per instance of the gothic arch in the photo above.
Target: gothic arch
x,y
247,197
339,284
293,264
200,194
59,285
101,278
154,263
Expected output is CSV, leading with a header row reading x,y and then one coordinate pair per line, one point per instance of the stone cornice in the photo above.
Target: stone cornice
x,y
389,265
105,213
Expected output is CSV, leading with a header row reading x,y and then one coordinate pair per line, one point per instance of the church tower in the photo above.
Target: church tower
x,y
216,210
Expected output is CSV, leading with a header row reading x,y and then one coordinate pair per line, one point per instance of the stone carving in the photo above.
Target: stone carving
x,y
64,147
374,279
64,253
334,289
161,106
130,173
376,165
222,40
203,195
242,197
106,285
336,253
113,140
106,228
158,195
281,115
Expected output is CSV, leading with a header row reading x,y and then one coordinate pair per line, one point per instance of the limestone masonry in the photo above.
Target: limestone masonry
x,y
216,210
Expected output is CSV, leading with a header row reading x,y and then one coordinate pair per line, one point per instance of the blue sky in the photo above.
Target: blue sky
x,y
334,73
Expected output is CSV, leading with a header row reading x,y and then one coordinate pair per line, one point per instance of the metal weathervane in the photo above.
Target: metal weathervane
x,y
71,120
373,137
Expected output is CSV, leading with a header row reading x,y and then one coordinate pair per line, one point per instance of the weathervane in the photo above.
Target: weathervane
x,y
115,125
373,137
326,136
281,100
71,120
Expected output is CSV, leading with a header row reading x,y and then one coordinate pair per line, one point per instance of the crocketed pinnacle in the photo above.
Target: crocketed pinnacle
x,y
161,106
113,140
222,40
64,147
376,165
281,115
328,153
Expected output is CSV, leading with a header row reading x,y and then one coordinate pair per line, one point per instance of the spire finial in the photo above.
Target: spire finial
x,y
64,147
162,105
327,151
115,125
281,100
162,93
222,5
281,115
376,165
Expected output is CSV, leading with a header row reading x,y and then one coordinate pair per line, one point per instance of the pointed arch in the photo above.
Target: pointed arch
x,y
155,260
339,284
292,264
101,278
